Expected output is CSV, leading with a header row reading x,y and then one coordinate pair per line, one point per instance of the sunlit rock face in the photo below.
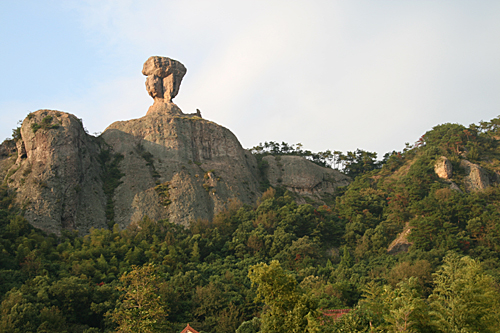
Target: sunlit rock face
x,y
443,168
164,77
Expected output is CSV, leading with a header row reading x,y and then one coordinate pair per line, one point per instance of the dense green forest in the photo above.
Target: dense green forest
x,y
277,266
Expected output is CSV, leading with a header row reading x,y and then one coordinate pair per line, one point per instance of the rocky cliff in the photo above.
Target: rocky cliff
x,y
177,167
310,182
56,173
165,165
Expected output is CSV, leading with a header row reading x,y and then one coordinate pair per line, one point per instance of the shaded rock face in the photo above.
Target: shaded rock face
x,y
303,177
476,177
7,148
56,174
455,187
443,168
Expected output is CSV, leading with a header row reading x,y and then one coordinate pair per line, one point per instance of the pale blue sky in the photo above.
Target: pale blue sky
x,y
336,75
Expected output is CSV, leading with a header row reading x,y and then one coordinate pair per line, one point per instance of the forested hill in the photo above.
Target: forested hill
x,y
411,245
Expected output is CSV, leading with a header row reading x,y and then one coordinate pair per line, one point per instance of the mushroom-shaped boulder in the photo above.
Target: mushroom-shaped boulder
x,y
164,76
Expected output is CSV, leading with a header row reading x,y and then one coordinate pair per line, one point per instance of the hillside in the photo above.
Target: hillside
x,y
407,243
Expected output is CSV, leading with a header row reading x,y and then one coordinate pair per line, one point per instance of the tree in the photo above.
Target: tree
x,y
142,307
18,314
250,326
359,162
407,310
465,299
400,309
287,308
450,138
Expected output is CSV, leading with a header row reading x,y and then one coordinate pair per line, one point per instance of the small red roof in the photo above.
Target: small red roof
x,y
189,329
336,314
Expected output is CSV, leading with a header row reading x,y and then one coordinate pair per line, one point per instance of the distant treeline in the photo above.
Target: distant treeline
x,y
351,163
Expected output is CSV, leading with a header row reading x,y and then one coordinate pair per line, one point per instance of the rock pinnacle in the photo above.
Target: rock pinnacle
x,y
164,76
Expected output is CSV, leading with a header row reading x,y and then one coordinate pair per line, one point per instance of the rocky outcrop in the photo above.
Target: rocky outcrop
x,y
169,167
176,166
56,174
165,165
401,243
303,177
476,177
201,165
443,168
455,187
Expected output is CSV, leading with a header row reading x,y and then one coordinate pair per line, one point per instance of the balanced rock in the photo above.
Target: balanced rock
x,y
177,166
164,76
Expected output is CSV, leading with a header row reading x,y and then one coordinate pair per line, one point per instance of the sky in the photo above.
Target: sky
x,y
335,74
